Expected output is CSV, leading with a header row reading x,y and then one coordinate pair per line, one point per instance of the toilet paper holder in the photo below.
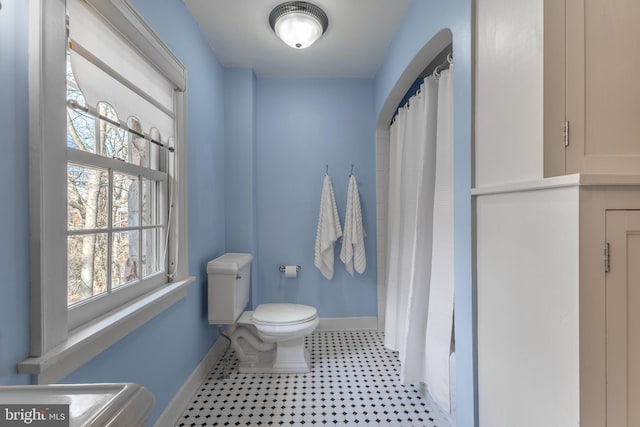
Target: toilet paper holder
x,y
282,268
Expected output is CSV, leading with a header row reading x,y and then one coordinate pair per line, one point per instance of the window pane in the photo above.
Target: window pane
x,y
86,266
126,201
86,197
114,141
124,264
150,211
81,127
151,252
80,130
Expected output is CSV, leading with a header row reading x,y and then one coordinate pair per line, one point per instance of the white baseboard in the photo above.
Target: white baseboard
x,y
348,324
177,405
184,396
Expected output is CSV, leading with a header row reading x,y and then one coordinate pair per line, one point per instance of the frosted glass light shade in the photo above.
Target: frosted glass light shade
x,y
298,24
298,30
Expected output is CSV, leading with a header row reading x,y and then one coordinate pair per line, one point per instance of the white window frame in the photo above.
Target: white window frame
x,y
56,350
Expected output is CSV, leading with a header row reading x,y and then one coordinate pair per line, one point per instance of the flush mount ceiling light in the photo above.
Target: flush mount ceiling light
x,y
297,23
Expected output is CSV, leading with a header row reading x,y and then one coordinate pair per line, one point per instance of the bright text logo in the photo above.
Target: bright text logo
x,y
34,415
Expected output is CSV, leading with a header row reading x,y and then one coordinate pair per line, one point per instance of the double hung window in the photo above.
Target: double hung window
x,y
111,145
120,138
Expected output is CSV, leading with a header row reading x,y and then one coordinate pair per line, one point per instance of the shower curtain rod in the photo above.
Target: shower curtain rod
x,y
73,104
436,74
438,69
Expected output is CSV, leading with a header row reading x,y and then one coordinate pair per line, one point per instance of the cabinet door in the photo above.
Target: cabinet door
x,y
623,319
603,86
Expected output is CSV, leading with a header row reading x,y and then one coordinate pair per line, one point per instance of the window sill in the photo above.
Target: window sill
x,y
85,343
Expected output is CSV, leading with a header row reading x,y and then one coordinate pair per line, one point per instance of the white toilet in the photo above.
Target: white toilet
x,y
267,340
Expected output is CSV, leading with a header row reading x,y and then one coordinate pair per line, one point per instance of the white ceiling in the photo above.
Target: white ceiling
x,y
355,44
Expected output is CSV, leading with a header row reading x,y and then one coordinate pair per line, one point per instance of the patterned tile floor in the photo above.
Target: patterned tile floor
x,y
354,382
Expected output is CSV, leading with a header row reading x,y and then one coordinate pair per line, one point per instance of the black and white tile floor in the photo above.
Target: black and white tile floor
x,y
354,382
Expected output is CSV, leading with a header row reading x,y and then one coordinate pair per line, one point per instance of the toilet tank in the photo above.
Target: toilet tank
x,y
229,287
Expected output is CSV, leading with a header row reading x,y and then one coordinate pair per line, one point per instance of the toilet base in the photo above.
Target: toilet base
x,y
266,365
284,357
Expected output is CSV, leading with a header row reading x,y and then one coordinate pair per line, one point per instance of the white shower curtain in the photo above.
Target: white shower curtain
x,y
419,303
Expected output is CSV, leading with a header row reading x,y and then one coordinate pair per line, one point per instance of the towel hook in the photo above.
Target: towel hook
x,y
351,173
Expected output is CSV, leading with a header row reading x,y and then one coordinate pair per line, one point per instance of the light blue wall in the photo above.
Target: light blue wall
x,y
14,192
240,165
423,20
240,159
302,125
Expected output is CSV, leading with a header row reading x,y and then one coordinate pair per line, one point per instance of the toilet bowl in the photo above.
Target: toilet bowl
x,y
271,338
267,340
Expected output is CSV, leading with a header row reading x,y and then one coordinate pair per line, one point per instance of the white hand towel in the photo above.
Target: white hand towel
x,y
352,253
329,230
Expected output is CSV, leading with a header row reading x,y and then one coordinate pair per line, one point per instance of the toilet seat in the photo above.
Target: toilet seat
x,y
283,314
284,322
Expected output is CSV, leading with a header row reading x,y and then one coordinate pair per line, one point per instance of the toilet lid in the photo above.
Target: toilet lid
x,y
283,314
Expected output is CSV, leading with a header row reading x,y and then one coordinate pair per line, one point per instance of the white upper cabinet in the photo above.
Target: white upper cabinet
x,y
509,92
